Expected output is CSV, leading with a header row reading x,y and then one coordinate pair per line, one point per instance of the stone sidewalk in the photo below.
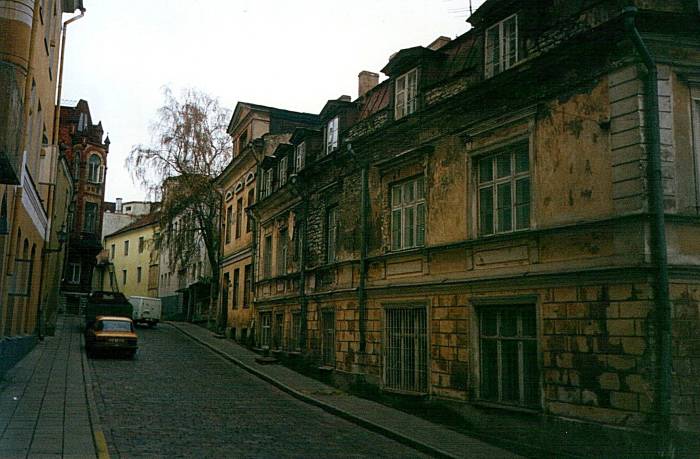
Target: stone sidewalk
x,y
413,431
44,406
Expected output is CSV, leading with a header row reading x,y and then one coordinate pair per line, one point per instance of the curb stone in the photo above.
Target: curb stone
x,y
101,451
367,424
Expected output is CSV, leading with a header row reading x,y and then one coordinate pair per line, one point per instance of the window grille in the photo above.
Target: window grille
x,y
328,337
279,330
406,349
508,355
295,335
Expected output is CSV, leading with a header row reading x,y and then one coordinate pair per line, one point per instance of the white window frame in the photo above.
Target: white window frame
x,y
299,156
406,94
331,136
408,214
515,178
74,273
282,172
499,42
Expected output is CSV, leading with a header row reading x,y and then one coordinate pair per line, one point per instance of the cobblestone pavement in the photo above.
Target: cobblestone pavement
x,y
178,399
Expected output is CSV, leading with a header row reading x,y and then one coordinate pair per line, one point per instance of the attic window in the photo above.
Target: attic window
x,y
82,122
331,135
501,46
405,94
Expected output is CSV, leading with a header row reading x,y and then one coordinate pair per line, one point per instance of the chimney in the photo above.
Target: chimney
x,y
366,80
118,206
439,42
345,98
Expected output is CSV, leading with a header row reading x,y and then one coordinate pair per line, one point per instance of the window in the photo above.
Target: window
x,y
331,234
247,285
90,220
328,337
279,330
141,244
508,355
295,335
504,191
408,214
242,141
127,209
229,222
267,183
406,353
126,248
82,122
695,127
331,135
138,275
236,276
299,156
112,252
95,169
123,276
282,250
251,201
239,217
267,257
74,273
283,171
265,329
501,46
405,94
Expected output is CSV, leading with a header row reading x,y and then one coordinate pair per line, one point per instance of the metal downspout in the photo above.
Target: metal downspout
x,y
57,113
658,236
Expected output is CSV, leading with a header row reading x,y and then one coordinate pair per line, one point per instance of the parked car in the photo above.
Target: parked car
x,y
146,310
111,333
104,303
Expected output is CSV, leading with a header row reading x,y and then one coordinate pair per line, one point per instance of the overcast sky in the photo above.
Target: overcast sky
x,y
292,54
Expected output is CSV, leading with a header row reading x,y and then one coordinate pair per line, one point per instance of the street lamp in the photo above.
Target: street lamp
x,y
62,237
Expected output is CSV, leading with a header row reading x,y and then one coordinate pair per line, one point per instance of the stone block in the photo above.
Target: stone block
x,y
621,362
439,313
678,291
548,327
620,292
554,310
620,327
638,384
565,360
589,398
568,394
581,344
576,310
634,346
564,294
555,343
592,293
552,376
609,381
634,309
591,327
566,327
624,401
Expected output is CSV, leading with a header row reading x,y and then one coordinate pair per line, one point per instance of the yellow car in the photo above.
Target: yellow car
x,y
111,333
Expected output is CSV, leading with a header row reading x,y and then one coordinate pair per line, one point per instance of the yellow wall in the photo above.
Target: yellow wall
x,y
133,261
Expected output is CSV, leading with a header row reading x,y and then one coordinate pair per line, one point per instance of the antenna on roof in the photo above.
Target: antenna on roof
x,y
470,8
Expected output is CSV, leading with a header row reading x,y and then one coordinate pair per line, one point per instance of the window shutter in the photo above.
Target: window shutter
x,y
396,229
420,224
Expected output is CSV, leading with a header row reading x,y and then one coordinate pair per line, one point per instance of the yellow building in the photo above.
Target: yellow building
x,y
256,131
30,33
133,259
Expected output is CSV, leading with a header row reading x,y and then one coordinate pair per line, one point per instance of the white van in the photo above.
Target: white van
x,y
146,310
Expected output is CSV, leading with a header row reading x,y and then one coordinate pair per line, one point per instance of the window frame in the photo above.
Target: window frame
x,y
399,237
330,135
420,338
499,308
142,244
126,248
282,171
282,251
299,156
235,290
407,91
495,183
228,223
90,219
74,268
95,169
504,44
267,256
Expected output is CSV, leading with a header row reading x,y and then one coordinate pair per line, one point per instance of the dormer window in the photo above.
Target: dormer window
x,y
300,156
267,183
242,141
405,94
331,134
283,171
501,46
82,122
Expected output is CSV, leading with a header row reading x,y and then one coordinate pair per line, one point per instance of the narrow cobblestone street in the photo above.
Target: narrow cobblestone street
x,y
178,399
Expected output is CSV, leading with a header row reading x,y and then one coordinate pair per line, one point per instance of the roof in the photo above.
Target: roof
x,y
146,220
278,112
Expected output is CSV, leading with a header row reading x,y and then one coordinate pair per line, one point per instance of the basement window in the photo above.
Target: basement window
x,y
501,50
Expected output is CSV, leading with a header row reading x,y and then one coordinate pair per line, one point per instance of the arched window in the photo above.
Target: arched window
x,y
95,169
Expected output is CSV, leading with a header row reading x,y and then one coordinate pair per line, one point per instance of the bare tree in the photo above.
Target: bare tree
x,y
189,148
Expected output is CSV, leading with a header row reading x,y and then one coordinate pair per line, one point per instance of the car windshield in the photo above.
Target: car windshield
x,y
115,325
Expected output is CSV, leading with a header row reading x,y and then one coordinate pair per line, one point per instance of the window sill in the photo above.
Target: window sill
x,y
505,407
